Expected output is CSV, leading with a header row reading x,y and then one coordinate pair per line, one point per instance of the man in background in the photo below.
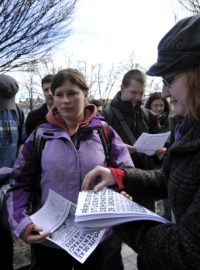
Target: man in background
x,y
128,117
12,136
38,117
126,113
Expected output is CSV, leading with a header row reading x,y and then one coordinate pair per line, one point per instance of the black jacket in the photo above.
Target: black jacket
x,y
169,246
36,118
138,123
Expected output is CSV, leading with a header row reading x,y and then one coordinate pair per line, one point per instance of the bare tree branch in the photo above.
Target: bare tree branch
x,y
191,5
30,28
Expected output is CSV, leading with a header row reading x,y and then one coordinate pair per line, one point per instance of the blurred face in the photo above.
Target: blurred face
x,y
99,109
177,90
157,106
70,101
133,92
46,87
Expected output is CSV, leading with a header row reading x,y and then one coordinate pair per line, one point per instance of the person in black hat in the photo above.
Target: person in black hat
x,y
12,136
174,245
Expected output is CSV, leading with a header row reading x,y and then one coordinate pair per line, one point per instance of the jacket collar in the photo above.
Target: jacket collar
x,y
125,106
54,117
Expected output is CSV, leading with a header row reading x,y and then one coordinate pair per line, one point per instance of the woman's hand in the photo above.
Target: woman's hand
x,y
102,174
34,235
131,148
126,195
160,153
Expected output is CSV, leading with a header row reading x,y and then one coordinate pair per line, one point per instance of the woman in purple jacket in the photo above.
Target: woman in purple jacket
x,y
72,148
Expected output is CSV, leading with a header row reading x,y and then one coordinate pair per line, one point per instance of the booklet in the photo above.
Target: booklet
x,y
57,216
149,143
106,208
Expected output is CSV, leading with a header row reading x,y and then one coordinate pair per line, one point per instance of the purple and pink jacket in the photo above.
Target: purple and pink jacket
x,y
65,161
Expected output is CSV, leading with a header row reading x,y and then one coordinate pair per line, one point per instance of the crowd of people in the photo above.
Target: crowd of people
x,y
76,155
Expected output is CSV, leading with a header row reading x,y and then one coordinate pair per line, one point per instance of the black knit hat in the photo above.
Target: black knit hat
x,y
179,49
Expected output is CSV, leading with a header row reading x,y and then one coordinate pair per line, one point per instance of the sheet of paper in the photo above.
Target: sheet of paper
x,y
106,202
57,216
5,170
107,208
78,245
150,143
53,213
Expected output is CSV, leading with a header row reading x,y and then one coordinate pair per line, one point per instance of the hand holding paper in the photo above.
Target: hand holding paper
x,y
150,143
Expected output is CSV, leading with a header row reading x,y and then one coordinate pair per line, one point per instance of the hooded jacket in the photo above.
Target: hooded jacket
x,y
64,162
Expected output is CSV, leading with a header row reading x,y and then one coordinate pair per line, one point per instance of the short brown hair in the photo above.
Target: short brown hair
x,y
134,74
73,76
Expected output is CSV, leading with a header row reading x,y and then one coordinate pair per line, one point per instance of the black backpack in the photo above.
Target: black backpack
x,y
104,134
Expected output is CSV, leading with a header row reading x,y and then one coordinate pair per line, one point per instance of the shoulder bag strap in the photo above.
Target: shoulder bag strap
x,y
124,125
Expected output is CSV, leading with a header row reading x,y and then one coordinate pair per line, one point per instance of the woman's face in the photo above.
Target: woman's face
x,y
177,90
157,106
70,101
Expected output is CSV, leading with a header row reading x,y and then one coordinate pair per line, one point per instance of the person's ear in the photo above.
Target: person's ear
x,y
122,91
122,88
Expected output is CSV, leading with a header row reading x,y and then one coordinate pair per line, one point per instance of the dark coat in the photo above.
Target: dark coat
x,y
36,118
169,246
164,121
138,123
135,118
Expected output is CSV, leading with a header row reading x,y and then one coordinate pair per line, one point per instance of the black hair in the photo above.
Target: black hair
x,y
154,96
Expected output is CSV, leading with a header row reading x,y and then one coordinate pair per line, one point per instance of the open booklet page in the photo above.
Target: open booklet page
x,y
106,208
150,143
57,216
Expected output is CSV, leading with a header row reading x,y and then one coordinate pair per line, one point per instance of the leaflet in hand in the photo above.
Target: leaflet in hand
x,y
106,208
5,170
57,216
4,174
150,143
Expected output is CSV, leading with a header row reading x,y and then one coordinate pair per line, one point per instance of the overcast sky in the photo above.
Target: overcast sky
x,y
108,31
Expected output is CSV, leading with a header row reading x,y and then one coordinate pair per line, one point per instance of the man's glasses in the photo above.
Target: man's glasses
x,y
168,81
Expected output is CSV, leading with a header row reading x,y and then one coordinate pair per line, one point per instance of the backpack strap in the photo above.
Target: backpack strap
x,y
39,143
108,115
124,125
146,115
104,134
